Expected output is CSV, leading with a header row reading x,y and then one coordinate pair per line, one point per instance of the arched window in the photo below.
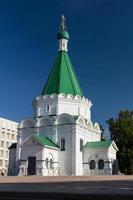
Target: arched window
x,y
47,163
100,164
62,144
81,145
92,164
51,164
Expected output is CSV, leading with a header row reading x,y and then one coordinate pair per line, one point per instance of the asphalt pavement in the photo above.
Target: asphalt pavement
x,y
66,187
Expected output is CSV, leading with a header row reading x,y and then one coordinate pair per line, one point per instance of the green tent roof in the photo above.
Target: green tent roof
x,y
62,78
43,140
99,144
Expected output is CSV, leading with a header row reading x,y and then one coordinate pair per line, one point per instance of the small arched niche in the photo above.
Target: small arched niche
x,y
64,119
45,121
27,123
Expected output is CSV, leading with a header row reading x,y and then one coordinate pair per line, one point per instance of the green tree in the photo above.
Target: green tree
x,y
102,133
121,131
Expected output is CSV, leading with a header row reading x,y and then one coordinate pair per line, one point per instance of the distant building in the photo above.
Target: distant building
x,y
60,138
8,136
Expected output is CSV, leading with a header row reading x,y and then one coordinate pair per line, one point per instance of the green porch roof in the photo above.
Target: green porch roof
x,y
99,144
43,140
62,78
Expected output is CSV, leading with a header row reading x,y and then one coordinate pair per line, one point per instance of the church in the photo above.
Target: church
x,y
60,138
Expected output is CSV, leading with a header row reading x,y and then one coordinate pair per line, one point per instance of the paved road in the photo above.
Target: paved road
x,y
52,187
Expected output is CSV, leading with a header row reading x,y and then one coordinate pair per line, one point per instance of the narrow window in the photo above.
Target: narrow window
x,y
62,144
100,164
7,144
3,134
2,143
51,164
46,162
63,44
47,108
81,145
1,153
6,163
1,162
92,164
13,137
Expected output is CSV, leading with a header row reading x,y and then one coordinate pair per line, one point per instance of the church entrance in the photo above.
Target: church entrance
x,y
31,166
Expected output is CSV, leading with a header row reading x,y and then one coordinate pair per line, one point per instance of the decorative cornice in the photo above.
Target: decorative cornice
x,y
64,97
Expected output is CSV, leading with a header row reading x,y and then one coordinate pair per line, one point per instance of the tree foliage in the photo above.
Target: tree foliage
x,y
121,131
102,133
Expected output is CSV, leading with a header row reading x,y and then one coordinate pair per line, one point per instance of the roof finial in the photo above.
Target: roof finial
x,y
63,23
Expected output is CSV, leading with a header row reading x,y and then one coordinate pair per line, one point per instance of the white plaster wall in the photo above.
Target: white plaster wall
x,y
112,153
78,155
73,150
95,154
62,103
50,153
46,131
70,160
87,134
41,153
25,133
62,106
111,156
65,157
31,151
74,108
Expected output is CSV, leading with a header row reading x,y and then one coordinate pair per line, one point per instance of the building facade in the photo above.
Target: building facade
x,y
8,136
60,138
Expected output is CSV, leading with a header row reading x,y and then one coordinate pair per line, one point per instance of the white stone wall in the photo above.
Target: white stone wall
x,y
61,116
112,153
107,155
30,149
65,157
87,134
41,153
59,104
112,157
62,126
50,153
94,154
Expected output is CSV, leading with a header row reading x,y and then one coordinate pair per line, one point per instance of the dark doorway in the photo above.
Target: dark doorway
x,y
31,165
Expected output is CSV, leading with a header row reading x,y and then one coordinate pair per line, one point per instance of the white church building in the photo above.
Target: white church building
x,y
60,138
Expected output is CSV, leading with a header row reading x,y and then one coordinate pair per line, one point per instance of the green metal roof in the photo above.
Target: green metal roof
x,y
62,78
99,144
43,140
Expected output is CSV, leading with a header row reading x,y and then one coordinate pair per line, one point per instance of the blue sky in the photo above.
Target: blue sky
x,y
100,48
